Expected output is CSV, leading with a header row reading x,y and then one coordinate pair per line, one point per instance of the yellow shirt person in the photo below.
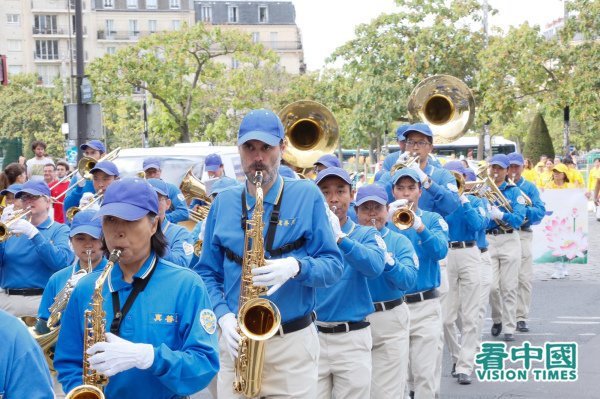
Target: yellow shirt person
x,y
560,178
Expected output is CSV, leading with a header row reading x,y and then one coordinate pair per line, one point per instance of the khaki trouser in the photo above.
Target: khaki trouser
x,y
443,290
505,254
19,305
463,296
486,282
525,276
425,346
389,356
345,365
289,369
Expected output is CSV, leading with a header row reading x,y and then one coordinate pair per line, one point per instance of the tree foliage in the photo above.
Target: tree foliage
x,y
538,140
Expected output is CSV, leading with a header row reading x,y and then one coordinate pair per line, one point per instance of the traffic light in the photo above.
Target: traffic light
x,y
3,70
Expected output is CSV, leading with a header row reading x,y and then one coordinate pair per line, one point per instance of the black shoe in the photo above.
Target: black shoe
x,y
464,379
454,371
522,326
411,394
509,337
496,329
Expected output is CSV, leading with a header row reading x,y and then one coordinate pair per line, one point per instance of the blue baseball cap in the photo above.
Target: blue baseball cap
x,y
456,166
151,163
400,132
333,172
159,186
221,185
85,222
94,145
107,167
514,158
422,128
34,188
406,172
261,124
371,192
470,175
329,160
213,162
129,199
286,171
500,160
13,189
378,175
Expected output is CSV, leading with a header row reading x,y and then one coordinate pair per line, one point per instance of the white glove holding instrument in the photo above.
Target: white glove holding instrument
x,y
275,273
7,213
422,175
24,227
229,332
335,224
389,260
496,213
394,206
117,354
418,224
403,157
464,199
79,179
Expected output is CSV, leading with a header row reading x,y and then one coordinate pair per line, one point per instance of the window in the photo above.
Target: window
x,y
109,3
151,4
134,31
14,45
46,49
206,14
111,50
44,24
175,24
48,73
132,3
235,64
263,14
152,25
174,4
110,28
13,18
255,37
274,40
232,14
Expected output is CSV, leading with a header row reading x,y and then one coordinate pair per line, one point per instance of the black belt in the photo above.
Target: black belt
x,y
24,291
461,244
297,324
496,232
483,250
422,296
344,327
388,305
528,229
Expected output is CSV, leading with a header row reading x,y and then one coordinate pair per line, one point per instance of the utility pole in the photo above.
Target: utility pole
x,y
484,148
566,110
81,108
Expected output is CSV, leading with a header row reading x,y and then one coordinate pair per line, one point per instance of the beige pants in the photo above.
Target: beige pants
x,y
425,346
486,282
289,370
505,254
345,365
390,333
19,305
525,276
58,391
443,290
463,297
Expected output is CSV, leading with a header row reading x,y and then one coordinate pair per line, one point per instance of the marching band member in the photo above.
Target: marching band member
x,y
485,271
94,149
326,161
301,255
464,259
214,166
344,333
36,249
163,345
178,212
390,323
429,237
392,158
104,173
181,246
505,250
23,370
535,214
9,196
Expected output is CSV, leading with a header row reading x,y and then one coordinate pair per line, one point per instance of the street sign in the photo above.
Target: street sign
x,y
94,121
86,91
72,155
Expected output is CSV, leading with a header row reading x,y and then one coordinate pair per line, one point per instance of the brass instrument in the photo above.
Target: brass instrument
x,y
5,226
192,187
445,103
258,318
198,247
460,181
407,163
404,217
95,331
310,131
72,211
485,187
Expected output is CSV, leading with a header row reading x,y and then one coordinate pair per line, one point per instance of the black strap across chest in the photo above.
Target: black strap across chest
x,y
139,284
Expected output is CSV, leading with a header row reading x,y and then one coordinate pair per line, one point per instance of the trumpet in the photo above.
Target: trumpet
x,y
5,227
404,217
72,211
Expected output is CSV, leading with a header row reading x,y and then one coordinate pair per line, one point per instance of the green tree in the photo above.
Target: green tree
x,y
538,140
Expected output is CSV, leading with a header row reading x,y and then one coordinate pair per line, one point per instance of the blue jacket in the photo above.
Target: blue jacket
x,y
517,202
74,195
349,299
302,215
173,314
26,263
537,211
57,282
179,209
402,276
181,245
23,369
431,246
468,220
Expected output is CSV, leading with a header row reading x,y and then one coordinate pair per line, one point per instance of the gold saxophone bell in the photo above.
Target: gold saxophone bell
x,y
404,217
85,392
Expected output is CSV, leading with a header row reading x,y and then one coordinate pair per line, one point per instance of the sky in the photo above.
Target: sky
x,y
328,24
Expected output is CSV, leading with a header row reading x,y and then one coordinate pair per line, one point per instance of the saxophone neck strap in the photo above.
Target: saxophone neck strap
x,y
139,284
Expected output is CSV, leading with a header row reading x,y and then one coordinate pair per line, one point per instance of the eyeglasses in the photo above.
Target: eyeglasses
x,y
371,207
411,143
29,197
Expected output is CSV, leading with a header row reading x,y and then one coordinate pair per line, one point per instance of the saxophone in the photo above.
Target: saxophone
x,y
95,331
258,318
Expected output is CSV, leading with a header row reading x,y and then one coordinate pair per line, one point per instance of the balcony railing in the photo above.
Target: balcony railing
x,y
59,30
64,5
281,45
122,35
45,56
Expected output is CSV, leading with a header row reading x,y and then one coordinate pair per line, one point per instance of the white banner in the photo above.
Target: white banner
x,y
562,236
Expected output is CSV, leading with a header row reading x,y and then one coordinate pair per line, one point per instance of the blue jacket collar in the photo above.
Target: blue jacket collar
x,y
271,197
115,279
46,223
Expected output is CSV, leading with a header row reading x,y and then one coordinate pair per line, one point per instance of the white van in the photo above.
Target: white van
x,y
177,160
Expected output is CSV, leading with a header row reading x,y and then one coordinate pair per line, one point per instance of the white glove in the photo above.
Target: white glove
x,y
403,157
86,198
229,332
202,228
394,206
417,223
7,213
22,226
275,273
75,278
464,199
496,213
335,224
116,355
422,175
389,259
81,181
